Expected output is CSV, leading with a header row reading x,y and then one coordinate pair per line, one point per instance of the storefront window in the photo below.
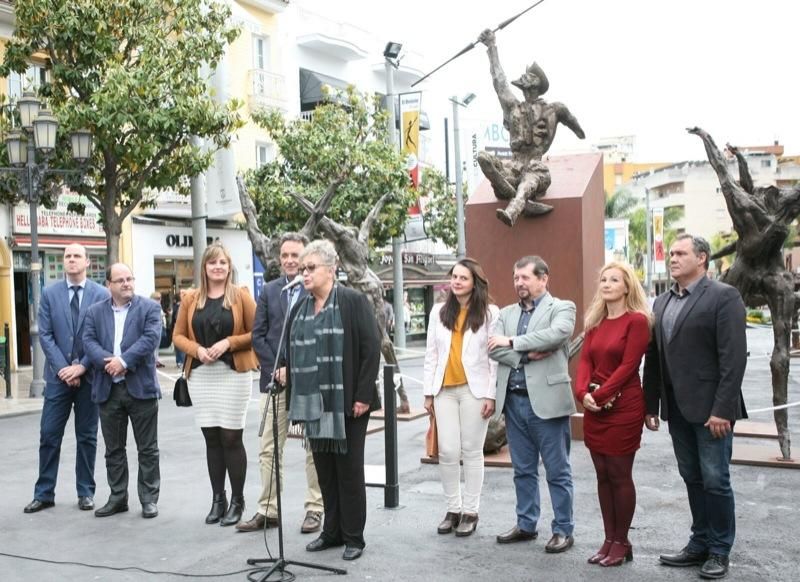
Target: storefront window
x,y
54,268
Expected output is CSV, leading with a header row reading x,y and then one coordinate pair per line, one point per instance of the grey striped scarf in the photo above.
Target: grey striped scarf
x,y
316,344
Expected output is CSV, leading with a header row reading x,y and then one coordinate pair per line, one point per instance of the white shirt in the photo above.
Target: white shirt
x,y
120,314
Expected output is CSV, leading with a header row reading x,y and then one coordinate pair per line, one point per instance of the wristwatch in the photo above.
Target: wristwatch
x,y
511,342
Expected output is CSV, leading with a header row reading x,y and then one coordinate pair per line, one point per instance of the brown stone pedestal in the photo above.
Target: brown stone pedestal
x,y
570,238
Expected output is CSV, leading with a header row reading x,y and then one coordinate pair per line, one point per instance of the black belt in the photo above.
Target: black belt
x,y
518,389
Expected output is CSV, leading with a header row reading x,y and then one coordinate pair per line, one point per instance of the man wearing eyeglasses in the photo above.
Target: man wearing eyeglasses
x,y
273,304
62,312
120,338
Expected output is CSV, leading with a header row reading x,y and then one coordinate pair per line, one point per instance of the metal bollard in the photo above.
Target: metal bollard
x,y
391,491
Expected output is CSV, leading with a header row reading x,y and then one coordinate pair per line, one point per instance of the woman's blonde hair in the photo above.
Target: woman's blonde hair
x,y
635,298
215,251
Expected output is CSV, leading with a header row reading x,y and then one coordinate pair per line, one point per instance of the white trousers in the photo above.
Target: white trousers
x,y
462,431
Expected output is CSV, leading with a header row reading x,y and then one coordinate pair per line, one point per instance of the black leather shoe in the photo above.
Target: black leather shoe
x,y
219,505
516,535
684,558
715,567
149,510
111,508
559,543
234,513
320,544
352,553
37,505
85,503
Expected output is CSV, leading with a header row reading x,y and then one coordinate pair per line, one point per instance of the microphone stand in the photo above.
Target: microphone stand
x,y
279,564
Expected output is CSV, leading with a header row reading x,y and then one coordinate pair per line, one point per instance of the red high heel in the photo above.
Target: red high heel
x,y
601,553
620,552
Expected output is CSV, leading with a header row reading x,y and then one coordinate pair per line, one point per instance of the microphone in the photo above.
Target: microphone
x,y
298,280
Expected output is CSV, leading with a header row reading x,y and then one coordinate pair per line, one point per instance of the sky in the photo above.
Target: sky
x,y
623,67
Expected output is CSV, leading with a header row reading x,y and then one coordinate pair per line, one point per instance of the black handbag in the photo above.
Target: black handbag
x,y
181,392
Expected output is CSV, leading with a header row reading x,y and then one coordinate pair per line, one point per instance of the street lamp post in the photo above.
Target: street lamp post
x,y
461,249
38,133
390,54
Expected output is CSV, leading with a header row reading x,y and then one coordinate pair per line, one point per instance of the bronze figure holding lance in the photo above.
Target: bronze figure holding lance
x,y
531,125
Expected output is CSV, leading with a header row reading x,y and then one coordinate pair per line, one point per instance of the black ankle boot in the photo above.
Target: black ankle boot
x,y
218,507
234,513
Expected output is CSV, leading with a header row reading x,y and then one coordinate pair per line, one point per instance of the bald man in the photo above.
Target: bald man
x,y
62,311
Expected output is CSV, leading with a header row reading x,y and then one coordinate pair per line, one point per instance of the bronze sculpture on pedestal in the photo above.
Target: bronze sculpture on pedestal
x,y
531,124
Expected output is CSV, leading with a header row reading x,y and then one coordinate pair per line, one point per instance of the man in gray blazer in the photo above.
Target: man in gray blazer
x,y
67,376
121,336
530,343
693,373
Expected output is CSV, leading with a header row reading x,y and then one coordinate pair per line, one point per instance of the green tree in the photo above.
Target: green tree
x,y
440,206
131,71
341,152
620,204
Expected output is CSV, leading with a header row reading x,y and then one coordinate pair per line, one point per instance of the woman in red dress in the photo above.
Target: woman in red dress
x,y
617,328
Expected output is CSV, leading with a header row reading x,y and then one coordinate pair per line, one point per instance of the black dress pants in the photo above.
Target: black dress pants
x,y
114,415
344,495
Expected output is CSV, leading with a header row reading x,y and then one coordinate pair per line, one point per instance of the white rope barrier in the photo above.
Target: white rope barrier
x,y
770,408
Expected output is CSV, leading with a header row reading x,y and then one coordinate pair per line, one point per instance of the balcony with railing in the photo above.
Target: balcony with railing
x,y
267,89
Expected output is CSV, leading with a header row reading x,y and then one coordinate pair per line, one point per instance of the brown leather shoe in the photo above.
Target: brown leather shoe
x,y
312,522
466,525
257,523
449,523
559,543
516,535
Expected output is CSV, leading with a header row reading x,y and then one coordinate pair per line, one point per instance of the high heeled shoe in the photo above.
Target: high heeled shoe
x,y
601,553
219,504
235,510
620,552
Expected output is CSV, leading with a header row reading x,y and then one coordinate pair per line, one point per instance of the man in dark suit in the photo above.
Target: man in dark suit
x,y
121,336
62,311
693,374
273,304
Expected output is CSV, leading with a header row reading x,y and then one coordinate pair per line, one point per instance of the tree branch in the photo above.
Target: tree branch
x,y
369,221
262,244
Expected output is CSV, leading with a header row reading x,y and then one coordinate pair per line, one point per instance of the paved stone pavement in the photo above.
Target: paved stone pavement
x,y
402,544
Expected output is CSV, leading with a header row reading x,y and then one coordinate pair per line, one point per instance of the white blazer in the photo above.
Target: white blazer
x,y
480,369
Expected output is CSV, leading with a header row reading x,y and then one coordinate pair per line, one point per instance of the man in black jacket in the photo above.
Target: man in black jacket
x,y
273,303
693,373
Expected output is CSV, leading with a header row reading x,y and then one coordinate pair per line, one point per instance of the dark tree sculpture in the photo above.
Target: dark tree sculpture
x,y
761,217
352,245
531,124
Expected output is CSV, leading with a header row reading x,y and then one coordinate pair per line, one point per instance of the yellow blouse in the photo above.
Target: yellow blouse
x,y
454,374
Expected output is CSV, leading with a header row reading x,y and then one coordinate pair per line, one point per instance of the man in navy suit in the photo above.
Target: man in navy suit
x,y
270,313
120,339
62,311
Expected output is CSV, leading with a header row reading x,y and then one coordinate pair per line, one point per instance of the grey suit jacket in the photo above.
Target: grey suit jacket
x,y
56,332
548,381
707,355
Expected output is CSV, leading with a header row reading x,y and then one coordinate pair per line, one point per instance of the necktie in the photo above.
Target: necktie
x,y
293,293
75,308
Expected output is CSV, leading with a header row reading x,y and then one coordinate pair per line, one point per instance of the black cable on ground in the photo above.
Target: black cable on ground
x,y
124,568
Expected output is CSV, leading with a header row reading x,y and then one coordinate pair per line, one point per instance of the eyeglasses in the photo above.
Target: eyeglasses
x,y
311,267
122,280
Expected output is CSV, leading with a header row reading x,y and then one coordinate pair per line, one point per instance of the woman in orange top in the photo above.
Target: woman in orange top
x,y
214,330
459,382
